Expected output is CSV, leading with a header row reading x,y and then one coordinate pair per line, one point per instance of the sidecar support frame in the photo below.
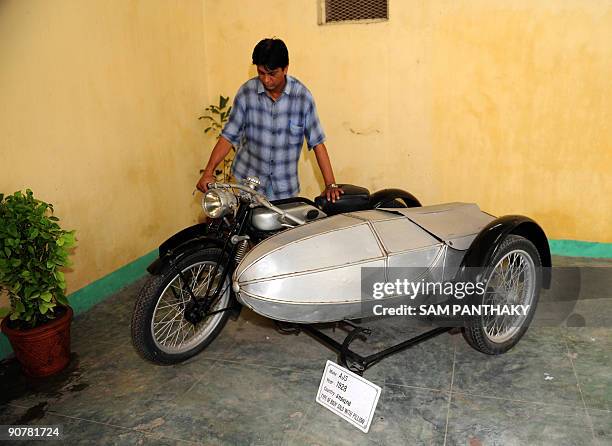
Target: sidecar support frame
x,y
356,362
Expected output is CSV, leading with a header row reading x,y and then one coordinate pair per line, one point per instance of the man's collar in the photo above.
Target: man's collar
x,y
286,90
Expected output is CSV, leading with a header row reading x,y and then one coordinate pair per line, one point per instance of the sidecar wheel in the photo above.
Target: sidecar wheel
x,y
514,277
160,333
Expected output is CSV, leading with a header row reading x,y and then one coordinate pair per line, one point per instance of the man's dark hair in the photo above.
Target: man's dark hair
x,y
271,53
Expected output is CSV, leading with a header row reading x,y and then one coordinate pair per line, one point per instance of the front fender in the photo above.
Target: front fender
x,y
487,242
384,198
183,242
190,233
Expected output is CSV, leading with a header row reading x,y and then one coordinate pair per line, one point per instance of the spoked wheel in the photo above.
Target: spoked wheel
x,y
165,329
513,278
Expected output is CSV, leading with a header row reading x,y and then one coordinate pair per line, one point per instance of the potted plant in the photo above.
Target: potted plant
x,y
33,250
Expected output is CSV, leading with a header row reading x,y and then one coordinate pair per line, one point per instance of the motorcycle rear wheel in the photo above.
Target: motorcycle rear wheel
x,y
160,333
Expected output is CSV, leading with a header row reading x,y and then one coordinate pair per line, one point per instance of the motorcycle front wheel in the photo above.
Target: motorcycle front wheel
x,y
160,332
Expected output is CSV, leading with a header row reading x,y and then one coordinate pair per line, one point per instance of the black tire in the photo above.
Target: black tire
x,y
478,332
156,290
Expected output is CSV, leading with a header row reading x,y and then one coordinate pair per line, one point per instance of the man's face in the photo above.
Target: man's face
x,y
271,79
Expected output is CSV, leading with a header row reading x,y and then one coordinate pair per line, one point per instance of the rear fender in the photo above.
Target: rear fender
x,y
385,198
487,242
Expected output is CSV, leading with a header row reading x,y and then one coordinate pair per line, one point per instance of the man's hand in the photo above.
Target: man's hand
x,y
332,192
207,177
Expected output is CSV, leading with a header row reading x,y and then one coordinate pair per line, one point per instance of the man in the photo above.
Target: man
x,y
271,115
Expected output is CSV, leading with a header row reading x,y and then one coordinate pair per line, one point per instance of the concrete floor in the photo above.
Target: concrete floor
x,y
254,385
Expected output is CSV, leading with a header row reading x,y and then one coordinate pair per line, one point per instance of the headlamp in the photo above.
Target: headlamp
x,y
218,202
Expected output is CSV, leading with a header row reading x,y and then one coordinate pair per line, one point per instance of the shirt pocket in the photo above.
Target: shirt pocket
x,y
296,134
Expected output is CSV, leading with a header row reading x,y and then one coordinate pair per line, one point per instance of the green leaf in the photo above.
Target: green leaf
x,y
19,308
69,239
46,296
223,101
15,262
12,229
4,311
7,251
42,307
33,233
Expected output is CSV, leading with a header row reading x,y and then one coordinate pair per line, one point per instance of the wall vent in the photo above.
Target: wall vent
x,y
353,11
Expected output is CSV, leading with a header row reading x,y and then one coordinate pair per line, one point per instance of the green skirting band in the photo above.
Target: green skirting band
x,y
575,248
85,298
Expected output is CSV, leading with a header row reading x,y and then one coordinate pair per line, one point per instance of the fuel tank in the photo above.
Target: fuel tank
x,y
267,220
312,273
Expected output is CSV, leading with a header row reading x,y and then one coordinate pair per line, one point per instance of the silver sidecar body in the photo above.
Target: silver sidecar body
x,y
313,273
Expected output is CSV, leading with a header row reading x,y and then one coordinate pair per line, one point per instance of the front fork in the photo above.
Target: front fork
x,y
199,308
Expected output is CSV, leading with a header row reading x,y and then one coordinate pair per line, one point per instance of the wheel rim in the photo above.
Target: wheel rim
x,y
171,332
512,282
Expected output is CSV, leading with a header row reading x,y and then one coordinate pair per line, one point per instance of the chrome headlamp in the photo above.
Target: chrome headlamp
x,y
218,203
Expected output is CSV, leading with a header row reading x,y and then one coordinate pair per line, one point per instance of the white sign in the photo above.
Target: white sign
x,y
348,395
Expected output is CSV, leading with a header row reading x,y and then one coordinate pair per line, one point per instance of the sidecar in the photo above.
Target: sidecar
x,y
315,273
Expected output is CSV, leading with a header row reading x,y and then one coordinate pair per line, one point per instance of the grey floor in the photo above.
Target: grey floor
x,y
254,385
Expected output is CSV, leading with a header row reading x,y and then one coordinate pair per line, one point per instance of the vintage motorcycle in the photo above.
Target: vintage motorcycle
x,y
270,255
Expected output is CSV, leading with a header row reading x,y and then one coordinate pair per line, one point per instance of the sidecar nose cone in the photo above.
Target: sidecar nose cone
x,y
236,287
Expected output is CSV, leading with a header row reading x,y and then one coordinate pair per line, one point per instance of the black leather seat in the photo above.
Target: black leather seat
x,y
355,198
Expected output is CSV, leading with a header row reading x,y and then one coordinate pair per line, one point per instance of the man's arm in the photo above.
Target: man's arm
x,y
231,132
218,154
332,193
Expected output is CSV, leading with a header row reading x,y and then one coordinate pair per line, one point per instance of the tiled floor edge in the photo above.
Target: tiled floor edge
x,y
85,298
578,248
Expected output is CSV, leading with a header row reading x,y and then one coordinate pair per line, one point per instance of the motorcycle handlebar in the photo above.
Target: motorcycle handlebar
x,y
259,198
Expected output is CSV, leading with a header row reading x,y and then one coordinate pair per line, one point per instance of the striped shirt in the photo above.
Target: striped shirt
x,y
268,135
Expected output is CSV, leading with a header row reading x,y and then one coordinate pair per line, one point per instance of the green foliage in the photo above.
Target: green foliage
x,y
217,116
33,250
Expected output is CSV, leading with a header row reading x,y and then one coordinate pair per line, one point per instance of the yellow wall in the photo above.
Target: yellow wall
x,y
504,103
98,115
507,104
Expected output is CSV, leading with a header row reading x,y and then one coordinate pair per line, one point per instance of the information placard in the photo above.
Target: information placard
x,y
348,395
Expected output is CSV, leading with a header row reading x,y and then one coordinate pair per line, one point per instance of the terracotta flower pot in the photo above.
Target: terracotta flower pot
x,y
44,350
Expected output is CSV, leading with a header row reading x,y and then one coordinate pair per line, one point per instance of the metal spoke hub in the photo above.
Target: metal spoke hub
x,y
193,313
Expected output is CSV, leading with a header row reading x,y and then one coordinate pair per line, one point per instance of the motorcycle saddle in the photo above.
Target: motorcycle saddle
x,y
355,198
